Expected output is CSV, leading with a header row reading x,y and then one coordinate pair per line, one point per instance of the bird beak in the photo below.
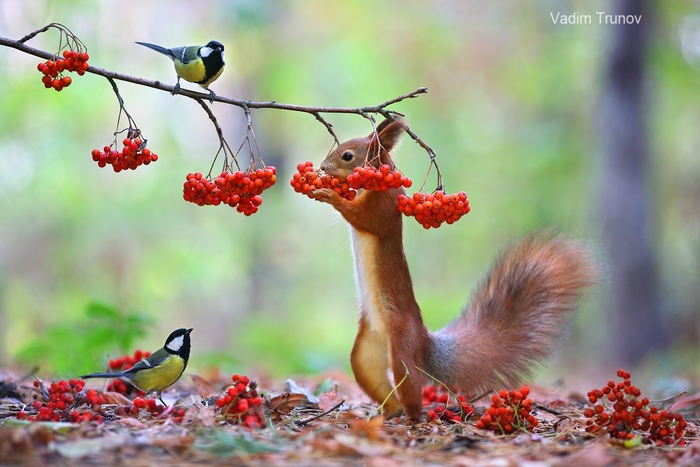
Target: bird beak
x,y
189,331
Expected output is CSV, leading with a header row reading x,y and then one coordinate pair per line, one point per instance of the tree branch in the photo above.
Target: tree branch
x,y
246,105
312,110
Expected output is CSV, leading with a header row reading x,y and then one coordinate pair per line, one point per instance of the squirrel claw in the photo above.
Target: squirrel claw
x,y
324,195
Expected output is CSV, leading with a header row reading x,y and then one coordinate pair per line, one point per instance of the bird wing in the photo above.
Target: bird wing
x,y
150,362
185,54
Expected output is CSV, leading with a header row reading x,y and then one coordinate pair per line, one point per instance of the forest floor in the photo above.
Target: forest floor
x,y
290,425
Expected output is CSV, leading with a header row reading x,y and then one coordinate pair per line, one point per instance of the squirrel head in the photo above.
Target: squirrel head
x,y
373,150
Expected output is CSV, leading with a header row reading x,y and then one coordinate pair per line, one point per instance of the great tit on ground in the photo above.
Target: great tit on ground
x,y
161,369
201,64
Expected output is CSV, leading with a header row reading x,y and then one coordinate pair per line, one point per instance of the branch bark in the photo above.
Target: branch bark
x,y
315,111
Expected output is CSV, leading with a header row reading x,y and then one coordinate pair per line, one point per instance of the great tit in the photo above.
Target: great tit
x,y
161,369
201,64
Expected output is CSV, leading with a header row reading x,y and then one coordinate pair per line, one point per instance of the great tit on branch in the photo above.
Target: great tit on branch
x,y
161,369
201,64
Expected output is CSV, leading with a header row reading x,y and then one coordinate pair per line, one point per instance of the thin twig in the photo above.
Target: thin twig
x,y
316,417
223,144
328,126
431,153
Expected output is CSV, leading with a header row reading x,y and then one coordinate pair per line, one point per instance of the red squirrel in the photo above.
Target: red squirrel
x,y
515,318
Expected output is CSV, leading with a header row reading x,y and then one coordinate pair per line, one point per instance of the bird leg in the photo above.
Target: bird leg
x,y
177,87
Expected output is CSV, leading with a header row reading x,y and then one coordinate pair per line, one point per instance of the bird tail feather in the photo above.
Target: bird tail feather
x,y
157,48
103,375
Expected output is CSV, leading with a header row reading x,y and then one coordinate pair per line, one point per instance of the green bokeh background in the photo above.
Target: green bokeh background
x,y
511,112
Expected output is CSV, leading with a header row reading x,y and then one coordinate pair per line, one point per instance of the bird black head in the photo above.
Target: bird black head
x,y
178,343
215,45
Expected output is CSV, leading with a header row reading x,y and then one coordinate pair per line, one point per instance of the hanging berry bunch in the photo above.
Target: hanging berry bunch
x,y
240,189
631,415
133,154
369,177
509,411
432,209
72,56
307,179
241,404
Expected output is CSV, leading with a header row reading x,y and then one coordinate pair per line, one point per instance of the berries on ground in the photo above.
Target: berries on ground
x,y
439,397
241,404
631,415
509,411
66,403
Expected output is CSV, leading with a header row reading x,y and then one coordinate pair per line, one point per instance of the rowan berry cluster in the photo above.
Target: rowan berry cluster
x,y
61,406
631,415
432,209
371,178
150,405
307,179
433,395
509,411
53,69
241,404
124,363
133,154
240,190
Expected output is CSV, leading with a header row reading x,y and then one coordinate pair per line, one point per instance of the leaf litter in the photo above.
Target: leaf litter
x,y
335,425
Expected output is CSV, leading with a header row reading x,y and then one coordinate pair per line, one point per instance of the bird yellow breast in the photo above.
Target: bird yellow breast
x,y
193,72
160,377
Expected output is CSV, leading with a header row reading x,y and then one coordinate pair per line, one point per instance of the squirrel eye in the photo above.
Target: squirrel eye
x,y
347,156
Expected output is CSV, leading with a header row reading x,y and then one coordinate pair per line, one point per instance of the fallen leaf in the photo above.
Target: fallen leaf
x,y
131,422
204,387
291,386
87,446
596,454
329,399
112,397
287,401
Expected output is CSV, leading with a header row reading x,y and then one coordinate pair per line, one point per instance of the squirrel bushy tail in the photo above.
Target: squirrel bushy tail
x,y
515,318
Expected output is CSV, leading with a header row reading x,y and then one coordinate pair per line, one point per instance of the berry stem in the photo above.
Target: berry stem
x,y
223,144
133,131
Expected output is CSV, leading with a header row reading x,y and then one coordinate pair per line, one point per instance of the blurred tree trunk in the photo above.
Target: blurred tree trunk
x,y
627,206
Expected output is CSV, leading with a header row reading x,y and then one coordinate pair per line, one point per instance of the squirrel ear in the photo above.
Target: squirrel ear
x,y
390,132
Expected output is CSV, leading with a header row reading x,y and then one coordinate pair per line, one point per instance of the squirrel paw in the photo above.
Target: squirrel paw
x,y
326,195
